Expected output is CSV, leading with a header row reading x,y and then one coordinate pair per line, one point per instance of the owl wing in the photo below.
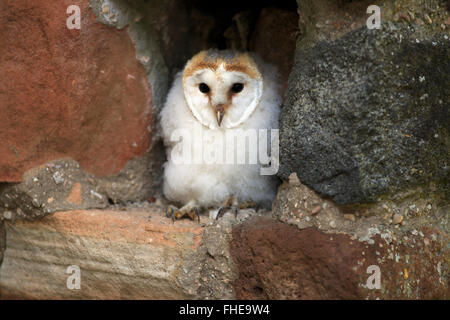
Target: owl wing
x,y
175,113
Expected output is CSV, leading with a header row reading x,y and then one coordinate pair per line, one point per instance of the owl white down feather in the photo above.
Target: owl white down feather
x,y
217,94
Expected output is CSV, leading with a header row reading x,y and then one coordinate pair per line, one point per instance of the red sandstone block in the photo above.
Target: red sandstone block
x,y
63,93
121,255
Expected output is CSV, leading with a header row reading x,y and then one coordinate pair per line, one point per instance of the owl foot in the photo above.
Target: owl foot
x,y
232,203
191,210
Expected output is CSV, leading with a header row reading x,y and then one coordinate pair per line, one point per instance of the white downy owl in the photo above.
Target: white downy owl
x,y
219,98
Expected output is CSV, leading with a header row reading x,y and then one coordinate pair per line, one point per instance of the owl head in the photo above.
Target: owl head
x,y
222,88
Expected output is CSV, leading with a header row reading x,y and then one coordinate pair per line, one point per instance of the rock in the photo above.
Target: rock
x,y
259,258
38,194
265,248
293,179
405,17
2,243
66,88
120,255
238,32
8,215
398,218
366,115
274,39
299,205
316,210
350,217
278,261
91,112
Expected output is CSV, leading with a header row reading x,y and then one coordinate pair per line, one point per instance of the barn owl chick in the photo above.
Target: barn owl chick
x,y
219,99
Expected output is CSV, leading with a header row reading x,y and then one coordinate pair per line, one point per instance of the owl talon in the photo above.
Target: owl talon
x,y
221,211
232,203
197,213
248,204
189,210
170,213
235,209
193,213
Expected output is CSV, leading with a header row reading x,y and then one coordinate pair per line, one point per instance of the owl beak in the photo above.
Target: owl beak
x,y
219,114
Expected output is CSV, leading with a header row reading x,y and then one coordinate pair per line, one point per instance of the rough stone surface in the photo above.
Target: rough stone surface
x,y
141,254
134,254
298,205
65,95
328,19
413,255
367,115
78,103
2,245
2,241
275,41
209,272
364,154
278,261
58,185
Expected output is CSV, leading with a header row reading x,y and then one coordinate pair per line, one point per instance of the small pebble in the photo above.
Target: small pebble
x,y
405,17
316,210
293,179
35,203
58,177
396,17
398,218
105,9
7,215
350,217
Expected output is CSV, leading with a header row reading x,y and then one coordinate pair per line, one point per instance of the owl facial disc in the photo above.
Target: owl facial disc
x,y
222,89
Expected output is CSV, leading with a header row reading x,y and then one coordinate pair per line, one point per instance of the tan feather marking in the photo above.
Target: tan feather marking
x,y
197,63
243,63
192,68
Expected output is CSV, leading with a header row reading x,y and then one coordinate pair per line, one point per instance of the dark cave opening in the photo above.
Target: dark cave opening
x,y
185,28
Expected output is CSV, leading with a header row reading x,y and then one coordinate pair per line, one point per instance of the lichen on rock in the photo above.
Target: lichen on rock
x,y
367,115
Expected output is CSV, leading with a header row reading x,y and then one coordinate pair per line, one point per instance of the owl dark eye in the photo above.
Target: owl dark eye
x,y
237,87
203,87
